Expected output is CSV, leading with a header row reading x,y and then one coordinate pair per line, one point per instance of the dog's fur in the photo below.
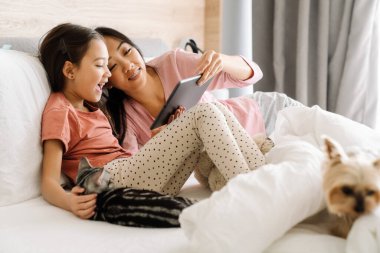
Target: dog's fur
x,y
351,185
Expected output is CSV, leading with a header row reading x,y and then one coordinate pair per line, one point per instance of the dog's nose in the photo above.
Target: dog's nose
x,y
359,207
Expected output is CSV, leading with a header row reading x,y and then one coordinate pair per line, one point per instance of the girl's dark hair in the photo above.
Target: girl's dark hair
x,y
112,102
65,42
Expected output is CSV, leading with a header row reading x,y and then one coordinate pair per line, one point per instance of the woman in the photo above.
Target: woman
x,y
141,89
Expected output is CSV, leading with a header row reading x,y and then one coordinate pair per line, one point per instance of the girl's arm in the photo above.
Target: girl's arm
x,y
81,205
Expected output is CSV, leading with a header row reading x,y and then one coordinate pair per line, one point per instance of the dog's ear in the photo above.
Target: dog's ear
x,y
376,164
332,149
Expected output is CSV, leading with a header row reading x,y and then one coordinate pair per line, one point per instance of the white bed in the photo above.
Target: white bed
x,y
36,226
256,212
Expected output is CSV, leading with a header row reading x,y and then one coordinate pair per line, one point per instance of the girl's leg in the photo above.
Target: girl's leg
x,y
166,156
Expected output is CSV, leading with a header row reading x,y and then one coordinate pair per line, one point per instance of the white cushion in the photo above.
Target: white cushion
x,y
23,93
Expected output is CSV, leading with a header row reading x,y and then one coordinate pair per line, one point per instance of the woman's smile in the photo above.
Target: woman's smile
x,y
135,74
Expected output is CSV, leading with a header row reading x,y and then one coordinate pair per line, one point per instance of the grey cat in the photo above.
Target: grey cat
x,y
93,179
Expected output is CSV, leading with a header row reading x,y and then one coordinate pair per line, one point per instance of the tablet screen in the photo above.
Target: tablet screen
x,y
187,93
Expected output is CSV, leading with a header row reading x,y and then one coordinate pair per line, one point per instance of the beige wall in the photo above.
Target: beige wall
x,y
212,33
169,20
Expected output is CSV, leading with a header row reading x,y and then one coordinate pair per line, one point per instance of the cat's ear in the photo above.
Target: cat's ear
x,y
84,163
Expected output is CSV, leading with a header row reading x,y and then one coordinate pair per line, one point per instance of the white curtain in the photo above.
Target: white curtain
x,y
321,52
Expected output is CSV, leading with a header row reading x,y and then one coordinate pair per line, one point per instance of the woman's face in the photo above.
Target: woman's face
x,y
126,65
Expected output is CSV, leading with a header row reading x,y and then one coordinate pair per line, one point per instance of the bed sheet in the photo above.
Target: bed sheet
x,y
36,226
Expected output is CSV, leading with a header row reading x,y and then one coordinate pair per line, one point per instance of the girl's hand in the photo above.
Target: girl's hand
x,y
82,206
211,63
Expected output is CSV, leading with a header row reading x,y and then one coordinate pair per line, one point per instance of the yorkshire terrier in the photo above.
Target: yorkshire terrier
x,y
351,185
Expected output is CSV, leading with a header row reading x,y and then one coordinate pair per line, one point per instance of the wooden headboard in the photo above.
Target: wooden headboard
x,y
168,20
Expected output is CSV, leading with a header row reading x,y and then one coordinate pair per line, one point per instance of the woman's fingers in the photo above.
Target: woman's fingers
x,y
212,72
157,130
206,59
211,63
209,72
176,114
171,118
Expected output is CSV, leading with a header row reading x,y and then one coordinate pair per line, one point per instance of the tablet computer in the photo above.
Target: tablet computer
x,y
187,93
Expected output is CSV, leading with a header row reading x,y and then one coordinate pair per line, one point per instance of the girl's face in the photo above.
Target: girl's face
x,y
126,65
90,75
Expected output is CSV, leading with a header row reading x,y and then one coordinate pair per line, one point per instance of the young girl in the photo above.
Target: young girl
x,y
75,59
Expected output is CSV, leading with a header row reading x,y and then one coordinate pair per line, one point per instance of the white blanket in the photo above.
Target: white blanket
x,y
257,208
365,235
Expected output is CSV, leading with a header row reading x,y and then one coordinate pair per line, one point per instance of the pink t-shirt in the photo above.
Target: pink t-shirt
x,y
86,134
176,65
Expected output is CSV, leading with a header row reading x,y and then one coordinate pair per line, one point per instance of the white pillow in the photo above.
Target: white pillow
x,y
23,93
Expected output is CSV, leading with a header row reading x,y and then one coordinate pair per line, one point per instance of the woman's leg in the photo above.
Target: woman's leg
x,y
248,146
171,155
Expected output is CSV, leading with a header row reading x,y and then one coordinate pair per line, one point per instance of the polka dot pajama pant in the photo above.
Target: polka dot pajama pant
x,y
167,160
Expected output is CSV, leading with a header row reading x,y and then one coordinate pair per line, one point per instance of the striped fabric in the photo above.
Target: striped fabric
x,y
139,208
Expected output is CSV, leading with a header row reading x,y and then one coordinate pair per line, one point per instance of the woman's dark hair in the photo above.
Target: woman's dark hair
x,y
112,102
65,42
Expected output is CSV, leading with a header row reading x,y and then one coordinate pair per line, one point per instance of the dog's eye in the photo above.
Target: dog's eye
x,y
370,192
347,190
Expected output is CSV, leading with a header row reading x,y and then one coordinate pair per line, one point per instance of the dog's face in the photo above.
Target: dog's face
x,y
351,181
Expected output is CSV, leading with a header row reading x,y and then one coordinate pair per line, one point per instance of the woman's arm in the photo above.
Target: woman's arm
x,y
81,205
213,62
236,67
228,71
